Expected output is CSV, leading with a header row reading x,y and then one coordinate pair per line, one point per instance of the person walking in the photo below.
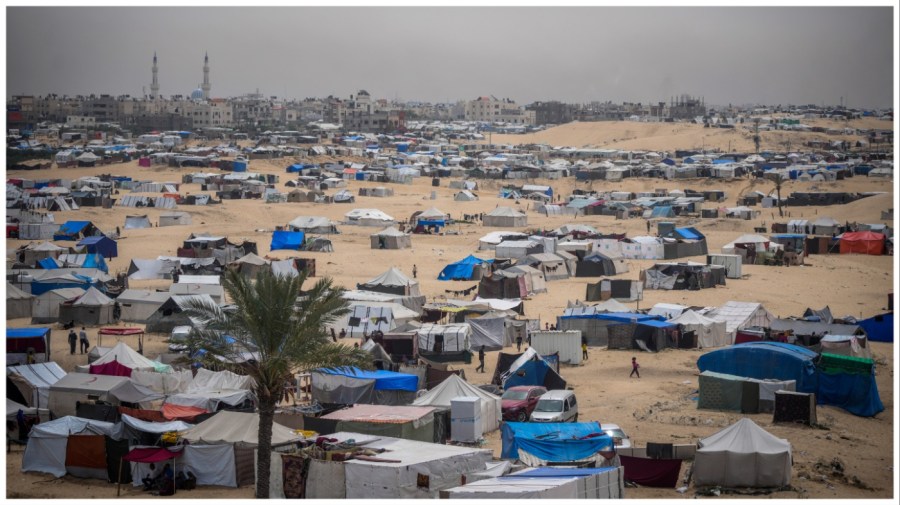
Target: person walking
x,y
584,351
519,343
415,271
73,339
648,227
83,341
634,368
480,359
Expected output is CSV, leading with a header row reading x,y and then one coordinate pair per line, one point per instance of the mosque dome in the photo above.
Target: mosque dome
x,y
197,94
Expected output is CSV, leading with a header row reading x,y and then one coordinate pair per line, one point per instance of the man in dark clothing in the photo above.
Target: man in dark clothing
x,y
519,343
83,342
73,339
480,359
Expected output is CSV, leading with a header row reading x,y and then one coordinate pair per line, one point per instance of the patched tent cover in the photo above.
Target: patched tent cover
x,y
47,442
743,455
553,442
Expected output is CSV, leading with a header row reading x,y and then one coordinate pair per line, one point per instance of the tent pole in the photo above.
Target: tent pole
x,y
119,479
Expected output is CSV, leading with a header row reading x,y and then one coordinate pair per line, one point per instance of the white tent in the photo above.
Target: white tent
x,y
492,239
368,217
124,355
390,238
18,302
392,281
465,196
454,387
313,224
139,304
34,381
761,243
47,442
133,222
667,310
174,219
456,336
535,281
739,315
566,343
517,249
742,455
710,333
505,217
208,389
45,307
228,427
489,330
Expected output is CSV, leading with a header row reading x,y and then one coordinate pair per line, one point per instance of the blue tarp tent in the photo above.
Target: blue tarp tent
x,y
879,328
291,240
48,264
688,233
19,340
663,211
657,324
535,373
462,270
554,442
101,245
70,230
383,379
855,393
764,360
621,317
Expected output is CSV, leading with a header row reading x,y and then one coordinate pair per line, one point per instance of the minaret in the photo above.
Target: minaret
x,y
154,87
205,85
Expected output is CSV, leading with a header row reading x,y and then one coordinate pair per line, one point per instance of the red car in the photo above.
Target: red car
x,y
519,401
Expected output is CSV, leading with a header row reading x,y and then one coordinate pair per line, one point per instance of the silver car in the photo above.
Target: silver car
x,y
619,437
556,406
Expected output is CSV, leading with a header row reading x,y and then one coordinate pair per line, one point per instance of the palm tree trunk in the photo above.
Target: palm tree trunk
x,y
264,448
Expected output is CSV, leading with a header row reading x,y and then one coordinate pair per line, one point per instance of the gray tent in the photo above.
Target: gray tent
x,y
174,219
18,302
91,308
139,304
505,217
132,222
313,224
45,307
743,455
490,331
391,238
465,196
392,281
32,253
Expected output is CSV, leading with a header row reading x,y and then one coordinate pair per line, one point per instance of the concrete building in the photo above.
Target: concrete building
x,y
490,109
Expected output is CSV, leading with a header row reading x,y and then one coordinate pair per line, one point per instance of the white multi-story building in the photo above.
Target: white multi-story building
x,y
216,112
492,110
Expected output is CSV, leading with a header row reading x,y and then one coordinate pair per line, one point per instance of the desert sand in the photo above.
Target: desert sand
x,y
658,407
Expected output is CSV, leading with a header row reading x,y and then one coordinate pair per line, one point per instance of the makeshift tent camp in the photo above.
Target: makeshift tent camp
x,y
290,240
862,242
431,218
174,219
18,302
517,249
48,448
91,308
469,268
314,225
416,470
139,304
104,246
19,340
33,253
537,444
709,332
392,281
390,238
764,360
598,264
136,222
505,217
531,369
208,390
492,239
121,360
399,421
455,387
30,384
740,315
445,343
489,330
82,387
742,455
350,385
547,483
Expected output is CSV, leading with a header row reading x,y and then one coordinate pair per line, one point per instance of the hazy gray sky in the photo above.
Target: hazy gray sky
x,y
574,54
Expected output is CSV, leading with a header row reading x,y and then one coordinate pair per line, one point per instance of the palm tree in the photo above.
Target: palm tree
x,y
779,180
283,328
756,138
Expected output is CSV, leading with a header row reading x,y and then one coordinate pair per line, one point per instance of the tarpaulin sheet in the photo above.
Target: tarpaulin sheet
x,y
86,451
879,328
291,240
764,360
383,378
855,393
557,442
213,465
181,412
461,270
112,368
651,472
535,373
151,455
153,416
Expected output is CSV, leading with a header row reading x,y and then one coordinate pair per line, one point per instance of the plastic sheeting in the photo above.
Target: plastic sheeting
x,y
148,427
47,442
454,387
213,465
554,442
326,480
855,393
764,360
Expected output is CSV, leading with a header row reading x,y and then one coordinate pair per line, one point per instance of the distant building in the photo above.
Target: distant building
x,y
686,107
552,112
490,110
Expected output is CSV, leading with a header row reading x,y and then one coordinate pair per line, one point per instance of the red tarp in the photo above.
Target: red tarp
x,y
150,455
120,331
111,368
862,242
86,451
153,416
651,472
181,412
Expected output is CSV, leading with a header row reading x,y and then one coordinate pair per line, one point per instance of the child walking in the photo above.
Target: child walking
x,y
634,368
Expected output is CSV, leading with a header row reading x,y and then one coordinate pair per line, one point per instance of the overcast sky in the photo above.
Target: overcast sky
x,y
577,54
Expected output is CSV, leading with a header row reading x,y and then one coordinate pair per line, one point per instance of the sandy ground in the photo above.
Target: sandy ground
x,y
656,408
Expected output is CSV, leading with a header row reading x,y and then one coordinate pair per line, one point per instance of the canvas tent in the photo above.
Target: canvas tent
x,y
740,315
313,224
174,219
709,332
505,217
349,385
91,308
742,455
489,330
862,242
390,238
48,447
122,360
400,421
466,269
455,387
45,307
392,281
136,222
368,217
76,387
598,264
553,266
30,384
240,428
138,305
445,342
18,302
465,196
614,289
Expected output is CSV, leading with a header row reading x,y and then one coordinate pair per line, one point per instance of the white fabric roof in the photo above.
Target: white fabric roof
x,y
392,277
494,237
149,427
391,231
743,455
737,315
237,428
454,387
505,211
128,357
368,214
433,213
14,293
92,297
303,222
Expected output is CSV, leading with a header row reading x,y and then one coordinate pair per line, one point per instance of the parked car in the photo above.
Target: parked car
x,y
556,406
518,402
619,437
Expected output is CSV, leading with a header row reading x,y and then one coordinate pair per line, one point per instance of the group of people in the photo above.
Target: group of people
x,y
79,338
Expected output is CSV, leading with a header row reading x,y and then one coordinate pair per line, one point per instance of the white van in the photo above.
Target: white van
x,y
556,406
